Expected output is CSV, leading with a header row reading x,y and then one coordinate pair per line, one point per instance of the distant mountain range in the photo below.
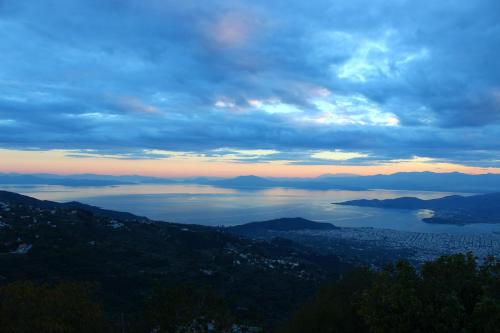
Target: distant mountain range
x,y
20,179
417,181
453,209
244,181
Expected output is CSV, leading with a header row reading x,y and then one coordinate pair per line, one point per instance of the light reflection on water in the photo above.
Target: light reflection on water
x,y
210,205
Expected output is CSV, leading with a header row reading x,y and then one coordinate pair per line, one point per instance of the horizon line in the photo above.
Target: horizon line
x,y
339,175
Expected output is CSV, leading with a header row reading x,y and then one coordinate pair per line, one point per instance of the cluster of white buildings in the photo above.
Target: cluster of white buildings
x,y
291,266
426,245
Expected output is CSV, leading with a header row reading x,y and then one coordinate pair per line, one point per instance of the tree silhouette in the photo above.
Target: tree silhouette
x,y
450,294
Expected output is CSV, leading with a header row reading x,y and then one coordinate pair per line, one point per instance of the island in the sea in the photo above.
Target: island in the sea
x,y
454,209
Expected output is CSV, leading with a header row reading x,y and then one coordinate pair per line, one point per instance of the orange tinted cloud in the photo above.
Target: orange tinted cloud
x,y
231,29
136,105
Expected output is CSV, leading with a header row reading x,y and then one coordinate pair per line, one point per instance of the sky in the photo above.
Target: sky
x,y
273,88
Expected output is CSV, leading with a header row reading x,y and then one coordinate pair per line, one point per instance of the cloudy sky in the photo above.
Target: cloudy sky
x,y
219,87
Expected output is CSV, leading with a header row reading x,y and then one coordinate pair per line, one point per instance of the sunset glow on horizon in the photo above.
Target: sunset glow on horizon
x,y
58,162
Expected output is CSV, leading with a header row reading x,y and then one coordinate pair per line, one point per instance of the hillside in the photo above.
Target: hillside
x,y
128,255
484,208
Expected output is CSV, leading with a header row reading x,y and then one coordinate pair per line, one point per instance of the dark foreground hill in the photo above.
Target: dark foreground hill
x,y
455,209
127,256
77,268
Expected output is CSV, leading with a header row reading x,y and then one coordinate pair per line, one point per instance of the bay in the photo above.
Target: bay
x,y
216,206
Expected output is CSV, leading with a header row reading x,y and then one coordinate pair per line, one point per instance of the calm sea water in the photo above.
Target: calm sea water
x,y
210,205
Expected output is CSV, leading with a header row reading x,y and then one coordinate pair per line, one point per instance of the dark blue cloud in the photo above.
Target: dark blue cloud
x,y
389,79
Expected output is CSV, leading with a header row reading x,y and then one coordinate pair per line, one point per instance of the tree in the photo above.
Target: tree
x,y
334,308
392,304
450,294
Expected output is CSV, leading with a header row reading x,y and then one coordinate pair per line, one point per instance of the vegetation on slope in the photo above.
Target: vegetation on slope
x,y
450,294
128,257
